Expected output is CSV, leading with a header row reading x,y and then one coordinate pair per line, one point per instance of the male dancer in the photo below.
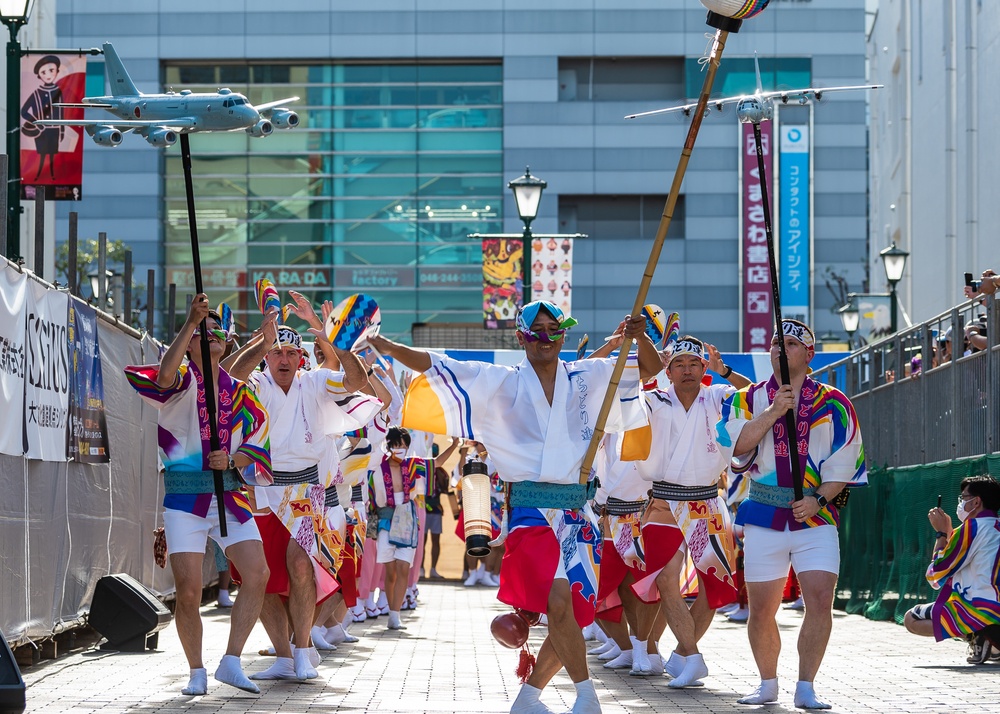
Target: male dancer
x,y
190,513
306,409
536,420
686,512
778,529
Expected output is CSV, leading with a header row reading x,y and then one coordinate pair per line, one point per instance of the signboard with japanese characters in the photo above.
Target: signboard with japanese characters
x,y
793,227
756,309
47,373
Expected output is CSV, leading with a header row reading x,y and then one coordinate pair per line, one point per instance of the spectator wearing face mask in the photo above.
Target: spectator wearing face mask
x,y
965,567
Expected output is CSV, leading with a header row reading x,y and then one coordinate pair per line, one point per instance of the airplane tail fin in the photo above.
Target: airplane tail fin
x,y
121,83
756,66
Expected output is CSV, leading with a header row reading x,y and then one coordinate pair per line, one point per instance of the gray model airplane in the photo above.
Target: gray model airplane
x,y
759,105
159,118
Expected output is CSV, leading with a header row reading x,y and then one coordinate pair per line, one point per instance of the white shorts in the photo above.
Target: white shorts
x,y
388,552
188,533
768,553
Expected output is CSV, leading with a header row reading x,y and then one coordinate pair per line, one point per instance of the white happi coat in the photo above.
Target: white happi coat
x,y
315,408
619,479
684,448
506,409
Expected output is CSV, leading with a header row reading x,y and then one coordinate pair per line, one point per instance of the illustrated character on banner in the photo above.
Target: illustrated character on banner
x,y
44,104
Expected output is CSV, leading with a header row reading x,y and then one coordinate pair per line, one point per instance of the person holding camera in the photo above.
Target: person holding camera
x,y
965,566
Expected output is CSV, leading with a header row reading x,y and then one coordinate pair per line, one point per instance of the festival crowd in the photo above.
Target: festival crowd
x,y
702,496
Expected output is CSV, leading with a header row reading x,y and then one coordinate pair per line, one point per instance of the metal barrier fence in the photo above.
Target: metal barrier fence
x,y
946,409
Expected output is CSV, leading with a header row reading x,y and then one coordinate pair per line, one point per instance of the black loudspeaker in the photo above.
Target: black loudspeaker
x,y
127,614
11,683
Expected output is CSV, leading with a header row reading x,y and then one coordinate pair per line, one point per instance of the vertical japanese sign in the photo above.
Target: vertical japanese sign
x,y
793,223
552,271
503,281
88,429
52,156
757,318
46,384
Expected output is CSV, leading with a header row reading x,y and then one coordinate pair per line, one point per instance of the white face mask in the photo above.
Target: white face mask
x,y
398,454
961,512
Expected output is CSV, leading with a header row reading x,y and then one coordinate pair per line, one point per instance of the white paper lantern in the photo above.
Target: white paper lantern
x,y
736,9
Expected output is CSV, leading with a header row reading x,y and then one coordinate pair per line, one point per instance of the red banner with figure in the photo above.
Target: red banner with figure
x,y
755,276
503,281
52,156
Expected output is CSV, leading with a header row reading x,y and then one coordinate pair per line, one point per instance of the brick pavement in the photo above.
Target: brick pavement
x,y
446,661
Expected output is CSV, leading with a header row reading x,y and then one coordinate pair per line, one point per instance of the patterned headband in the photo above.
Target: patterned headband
x,y
527,314
287,337
687,347
800,332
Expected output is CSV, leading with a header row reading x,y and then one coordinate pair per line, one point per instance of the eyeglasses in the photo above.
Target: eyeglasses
x,y
219,334
554,336
963,497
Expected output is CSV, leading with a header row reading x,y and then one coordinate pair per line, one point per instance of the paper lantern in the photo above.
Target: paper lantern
x,y
736,9
476,509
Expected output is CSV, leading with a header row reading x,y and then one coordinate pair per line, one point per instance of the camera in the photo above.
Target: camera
x,y
974,284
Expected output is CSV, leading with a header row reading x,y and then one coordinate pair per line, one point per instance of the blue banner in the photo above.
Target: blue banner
x,y
793,224
87,430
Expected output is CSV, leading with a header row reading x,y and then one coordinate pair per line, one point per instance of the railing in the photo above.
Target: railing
x,y
945,410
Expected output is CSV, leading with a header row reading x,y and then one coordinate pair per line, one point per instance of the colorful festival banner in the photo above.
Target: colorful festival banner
x,y
503,281
52,156
88,429
552,271
13,289
46,384
755,278
793,223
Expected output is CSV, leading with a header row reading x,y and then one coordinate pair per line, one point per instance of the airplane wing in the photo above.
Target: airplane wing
x,y
784,95
83,105
179,123
272,105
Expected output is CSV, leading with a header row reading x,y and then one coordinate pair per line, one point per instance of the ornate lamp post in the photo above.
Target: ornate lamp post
x,y
14,14
527,195
894,261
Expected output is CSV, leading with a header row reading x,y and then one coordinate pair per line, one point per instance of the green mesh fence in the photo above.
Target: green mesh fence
x,y
886,541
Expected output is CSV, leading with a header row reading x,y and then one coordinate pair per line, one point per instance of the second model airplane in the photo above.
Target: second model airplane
x,y
159,118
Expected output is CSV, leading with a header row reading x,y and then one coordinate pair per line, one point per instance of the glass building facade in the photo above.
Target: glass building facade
x,y
391,168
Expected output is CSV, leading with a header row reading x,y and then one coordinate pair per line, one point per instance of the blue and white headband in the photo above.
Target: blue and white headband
x,y
527,314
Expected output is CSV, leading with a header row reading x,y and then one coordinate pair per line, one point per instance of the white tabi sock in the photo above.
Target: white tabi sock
x,y
586,698
283,668
304,668
230,672
611,653
197,684
641,665
691,675
605,646
765,693
805,697
394,622
528,702
674,664
622,661
318,635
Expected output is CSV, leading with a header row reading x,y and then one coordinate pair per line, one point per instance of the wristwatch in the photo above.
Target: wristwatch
x,y
821,500
232,464
729,371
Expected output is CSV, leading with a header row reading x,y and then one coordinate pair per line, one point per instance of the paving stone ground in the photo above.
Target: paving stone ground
x,y
446,661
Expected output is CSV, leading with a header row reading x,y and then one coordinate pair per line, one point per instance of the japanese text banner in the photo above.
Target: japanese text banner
x,y
793,224
755,294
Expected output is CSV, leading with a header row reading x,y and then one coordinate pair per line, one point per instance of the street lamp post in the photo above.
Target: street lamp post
x,y
527,195
850,318
14,14
894,261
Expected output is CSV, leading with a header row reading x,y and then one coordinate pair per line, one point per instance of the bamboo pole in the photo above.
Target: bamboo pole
x,y
714,58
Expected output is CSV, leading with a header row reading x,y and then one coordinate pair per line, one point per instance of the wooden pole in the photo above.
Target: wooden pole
x,y
102,271
4,243
171,312
126,296
714,58
71,270
39,266
150,297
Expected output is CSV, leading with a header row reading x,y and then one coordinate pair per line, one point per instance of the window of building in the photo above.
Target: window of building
x,y
621,79
736,75
618,217
392,166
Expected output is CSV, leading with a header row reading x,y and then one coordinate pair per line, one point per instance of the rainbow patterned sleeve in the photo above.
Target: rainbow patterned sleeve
x,y
950,558
736,412
143,378
846,462
250,420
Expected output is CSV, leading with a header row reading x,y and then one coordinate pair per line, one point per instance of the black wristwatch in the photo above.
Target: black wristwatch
x,y
729,371
232,464
821,500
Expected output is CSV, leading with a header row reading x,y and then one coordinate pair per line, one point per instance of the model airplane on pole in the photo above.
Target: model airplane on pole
x,y
159,118
760,104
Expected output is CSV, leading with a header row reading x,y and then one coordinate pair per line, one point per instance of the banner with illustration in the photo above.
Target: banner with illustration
x,y
87,435
552,271
46,383
13,289
503,281
52,156
757,317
